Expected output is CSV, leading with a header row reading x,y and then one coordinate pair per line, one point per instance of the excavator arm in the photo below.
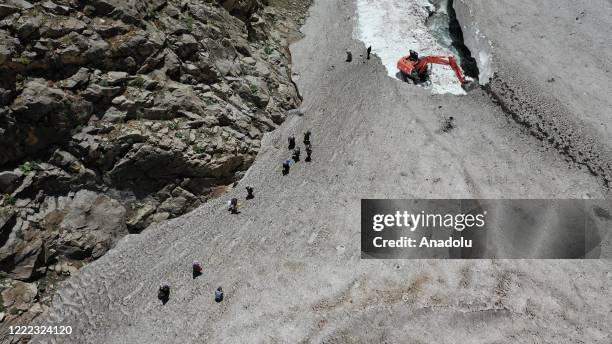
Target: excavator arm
x,y
414,68
421,66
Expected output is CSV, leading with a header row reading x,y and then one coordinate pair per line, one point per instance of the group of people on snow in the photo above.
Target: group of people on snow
x,y
349,54
163,293
295,156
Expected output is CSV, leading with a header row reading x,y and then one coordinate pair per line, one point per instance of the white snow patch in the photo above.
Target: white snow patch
x,y
393,27
484,65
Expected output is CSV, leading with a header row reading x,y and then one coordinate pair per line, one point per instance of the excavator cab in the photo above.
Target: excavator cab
x,y
407,67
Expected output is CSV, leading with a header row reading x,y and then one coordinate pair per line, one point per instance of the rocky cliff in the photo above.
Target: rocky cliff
x,y
115,114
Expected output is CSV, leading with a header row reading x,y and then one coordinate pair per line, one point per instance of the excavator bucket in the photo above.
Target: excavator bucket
x,y
469,86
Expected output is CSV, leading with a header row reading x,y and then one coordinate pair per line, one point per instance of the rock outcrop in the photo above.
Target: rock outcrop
x,y
116,114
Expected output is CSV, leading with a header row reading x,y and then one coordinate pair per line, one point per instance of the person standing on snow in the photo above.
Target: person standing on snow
x,y
308,153
296,154
218,295
250,194
196,268
233,206
163,293
307,137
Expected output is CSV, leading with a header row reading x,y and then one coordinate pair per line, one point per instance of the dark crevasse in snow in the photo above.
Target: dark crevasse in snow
x,y
444,26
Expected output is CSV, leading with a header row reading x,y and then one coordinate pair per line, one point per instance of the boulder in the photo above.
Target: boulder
x,y
228,67
37,100
201,71
240,8
71,55
8,7
97,48
58,26
113,115
8,46
134,100
174,205
65,160
99,93
259,29
55,8
108,27
116,78
19,295
137,216
138,45
77,80
158,113
255,91
102,7
36,309
24,186
9,181
22,259
159,217
147,168
87,220
42,115
6,215
186,45
180,97
27,25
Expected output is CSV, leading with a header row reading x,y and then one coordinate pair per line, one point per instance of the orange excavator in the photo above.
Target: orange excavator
x,y
417,69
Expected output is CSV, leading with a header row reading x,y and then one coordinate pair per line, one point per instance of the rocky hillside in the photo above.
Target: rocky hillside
x,y
118,113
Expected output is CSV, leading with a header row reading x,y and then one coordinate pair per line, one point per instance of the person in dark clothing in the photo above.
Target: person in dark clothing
x,y
368,52
448,124
296,154
286,166
163,293
196,268
307,137
414,56
349,56
308,153
219,295
250,194
233,206
291,142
